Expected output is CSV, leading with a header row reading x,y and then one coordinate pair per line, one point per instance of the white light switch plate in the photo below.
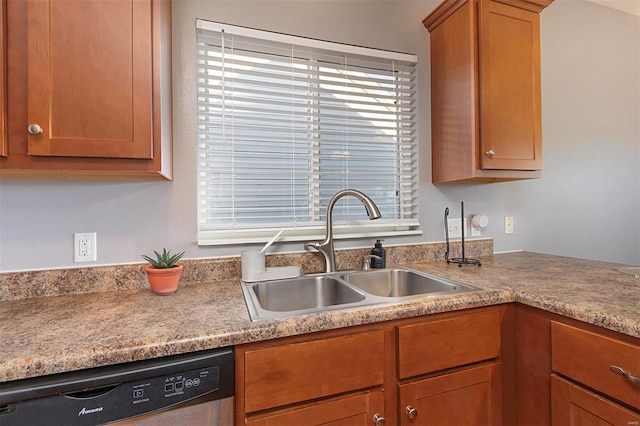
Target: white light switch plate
x,y
455,227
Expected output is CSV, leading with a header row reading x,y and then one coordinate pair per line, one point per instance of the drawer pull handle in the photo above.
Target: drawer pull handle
x,y
411,412
622,372
490,153
378,419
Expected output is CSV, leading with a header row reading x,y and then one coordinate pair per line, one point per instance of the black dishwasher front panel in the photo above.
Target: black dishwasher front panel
x,y
110,397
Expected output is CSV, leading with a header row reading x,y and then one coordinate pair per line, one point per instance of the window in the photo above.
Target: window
x,y
285,122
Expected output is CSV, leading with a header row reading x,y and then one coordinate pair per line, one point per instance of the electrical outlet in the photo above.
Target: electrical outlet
x,y
455,227
508,225
84,247
476,231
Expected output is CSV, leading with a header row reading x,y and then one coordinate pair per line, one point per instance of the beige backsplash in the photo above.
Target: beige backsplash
x,y
24,285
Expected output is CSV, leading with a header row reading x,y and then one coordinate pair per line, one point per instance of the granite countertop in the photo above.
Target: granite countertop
x,y
56,334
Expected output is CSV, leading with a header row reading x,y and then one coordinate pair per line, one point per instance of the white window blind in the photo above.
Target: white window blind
x,y
285,122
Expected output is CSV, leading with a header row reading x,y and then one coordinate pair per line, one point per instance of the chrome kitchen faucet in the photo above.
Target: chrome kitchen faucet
x,y
326,246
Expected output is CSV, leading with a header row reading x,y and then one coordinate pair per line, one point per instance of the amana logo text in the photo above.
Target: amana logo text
x,y
89,411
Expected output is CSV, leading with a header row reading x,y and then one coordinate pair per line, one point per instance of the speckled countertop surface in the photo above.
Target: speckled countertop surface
x,y
55,334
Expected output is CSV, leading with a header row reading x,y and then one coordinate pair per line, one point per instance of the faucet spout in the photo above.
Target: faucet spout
x,y
326,247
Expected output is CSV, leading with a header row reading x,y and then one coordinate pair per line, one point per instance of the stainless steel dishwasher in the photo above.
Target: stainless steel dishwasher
x,y
194,389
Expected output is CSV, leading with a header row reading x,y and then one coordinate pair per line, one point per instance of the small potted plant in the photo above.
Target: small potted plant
x,y
163,272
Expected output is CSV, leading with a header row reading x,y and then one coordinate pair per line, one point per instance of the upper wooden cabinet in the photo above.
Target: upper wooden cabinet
x,y
485,90
90,95
89,88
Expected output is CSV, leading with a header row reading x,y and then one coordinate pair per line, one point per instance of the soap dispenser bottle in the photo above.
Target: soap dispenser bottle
x,y
378,250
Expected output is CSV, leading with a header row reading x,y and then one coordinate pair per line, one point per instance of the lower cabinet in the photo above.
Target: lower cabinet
x,y
601,378
439,342
351,410
606,364
471,396
448,368
292,372
573,405
506,364
334,377
438,369
566,372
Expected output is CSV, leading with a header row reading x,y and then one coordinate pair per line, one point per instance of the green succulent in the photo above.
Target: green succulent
x,y
163,260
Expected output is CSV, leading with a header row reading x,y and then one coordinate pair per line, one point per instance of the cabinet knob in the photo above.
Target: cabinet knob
x,y
34,129
411,412
378,419
490,153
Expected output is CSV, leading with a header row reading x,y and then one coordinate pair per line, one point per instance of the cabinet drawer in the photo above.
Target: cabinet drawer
x,y
586,357
287,374
448,342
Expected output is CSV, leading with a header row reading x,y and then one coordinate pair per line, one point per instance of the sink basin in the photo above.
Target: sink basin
x,y
402,283
324,292
300,294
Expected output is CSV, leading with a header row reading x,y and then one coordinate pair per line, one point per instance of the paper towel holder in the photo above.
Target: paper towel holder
x,y
459,260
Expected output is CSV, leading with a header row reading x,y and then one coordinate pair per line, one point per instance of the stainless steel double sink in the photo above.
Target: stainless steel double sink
x,y
322,292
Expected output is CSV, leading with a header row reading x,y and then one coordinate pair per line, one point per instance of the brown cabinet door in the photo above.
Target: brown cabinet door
x,y
509,75
351,410
485,90
3,80
90,78
572,405
467,397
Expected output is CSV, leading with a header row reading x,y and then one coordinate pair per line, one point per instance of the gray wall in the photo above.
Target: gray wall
x,y
587,203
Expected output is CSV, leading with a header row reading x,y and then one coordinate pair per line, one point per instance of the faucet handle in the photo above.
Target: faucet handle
x,y
367,261
313,245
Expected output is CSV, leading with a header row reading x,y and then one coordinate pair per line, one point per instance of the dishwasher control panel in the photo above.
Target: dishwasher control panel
x,y
175,385
161,392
